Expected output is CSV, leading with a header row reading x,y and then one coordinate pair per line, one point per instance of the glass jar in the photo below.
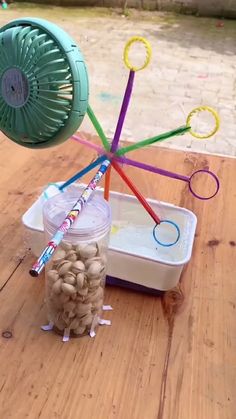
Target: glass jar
x,y
75,276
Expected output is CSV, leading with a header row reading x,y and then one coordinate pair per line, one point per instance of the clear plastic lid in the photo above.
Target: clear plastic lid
x,y
93,222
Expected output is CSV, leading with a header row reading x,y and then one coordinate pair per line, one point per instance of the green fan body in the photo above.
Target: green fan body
x,y
43,83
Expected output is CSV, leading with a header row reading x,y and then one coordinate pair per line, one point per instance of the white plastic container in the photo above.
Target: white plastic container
x,y
134,258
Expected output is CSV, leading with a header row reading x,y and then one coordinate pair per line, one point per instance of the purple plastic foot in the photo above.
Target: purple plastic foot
x,y
110,280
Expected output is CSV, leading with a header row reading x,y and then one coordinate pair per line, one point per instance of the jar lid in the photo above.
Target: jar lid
x,y
93,222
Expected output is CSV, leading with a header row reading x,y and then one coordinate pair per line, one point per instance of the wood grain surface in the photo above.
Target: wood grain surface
x,y
169,357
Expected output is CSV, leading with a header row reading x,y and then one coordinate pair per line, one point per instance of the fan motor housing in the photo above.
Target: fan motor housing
x,y
44,85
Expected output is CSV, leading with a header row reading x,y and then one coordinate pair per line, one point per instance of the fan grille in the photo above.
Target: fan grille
x,y
36,82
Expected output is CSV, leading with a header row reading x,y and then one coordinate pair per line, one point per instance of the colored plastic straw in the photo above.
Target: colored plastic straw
x,y
69,220
105,143
188,179
98,128
139,196
123,111
107,184
119,126
83,172
153,169
82,141
149,141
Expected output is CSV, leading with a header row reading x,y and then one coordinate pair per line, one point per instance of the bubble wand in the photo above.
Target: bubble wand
x,y
48,96
112,152
127,97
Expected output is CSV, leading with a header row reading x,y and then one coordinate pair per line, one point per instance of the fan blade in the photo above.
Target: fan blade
x,y
26,42
56,73
60,64
29,60
55,102
19,38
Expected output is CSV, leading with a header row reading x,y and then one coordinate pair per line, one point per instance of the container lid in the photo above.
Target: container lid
x,y
93,222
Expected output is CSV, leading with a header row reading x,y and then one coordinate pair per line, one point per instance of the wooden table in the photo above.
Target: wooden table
x,y
172,357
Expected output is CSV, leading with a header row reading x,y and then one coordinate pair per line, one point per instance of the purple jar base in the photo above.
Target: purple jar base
x,y
110,280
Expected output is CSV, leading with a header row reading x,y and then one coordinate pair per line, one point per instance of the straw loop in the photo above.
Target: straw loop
x,y
203,109
172,223
148,48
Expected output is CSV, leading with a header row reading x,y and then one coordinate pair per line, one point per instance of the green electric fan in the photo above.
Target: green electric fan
x,y
43,83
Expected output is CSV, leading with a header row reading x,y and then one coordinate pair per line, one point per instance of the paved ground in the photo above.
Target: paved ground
x,y
193,63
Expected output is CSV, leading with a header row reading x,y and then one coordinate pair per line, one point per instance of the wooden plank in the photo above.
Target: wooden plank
x,y
161,358
201,377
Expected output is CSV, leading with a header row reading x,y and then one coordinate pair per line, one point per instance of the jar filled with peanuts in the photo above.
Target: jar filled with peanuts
x,y
75,275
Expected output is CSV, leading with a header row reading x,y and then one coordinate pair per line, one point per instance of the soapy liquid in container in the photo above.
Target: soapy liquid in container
x,y
132,232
